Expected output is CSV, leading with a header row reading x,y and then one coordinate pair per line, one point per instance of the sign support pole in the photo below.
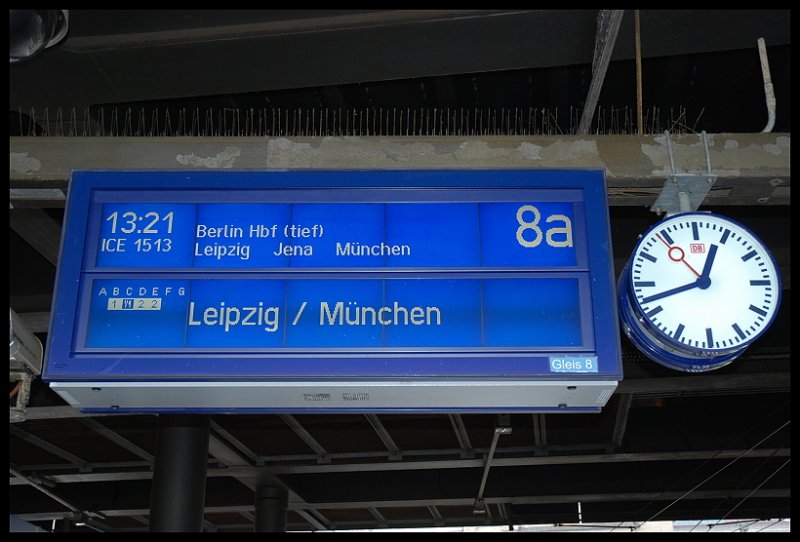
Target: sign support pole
x,y
178,496
271,505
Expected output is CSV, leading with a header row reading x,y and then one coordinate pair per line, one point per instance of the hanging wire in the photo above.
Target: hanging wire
x,y
740,523
776,471
734,460
745,480
707,461
770,525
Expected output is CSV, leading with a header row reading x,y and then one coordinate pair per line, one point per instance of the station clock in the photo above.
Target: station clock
x,y
697,291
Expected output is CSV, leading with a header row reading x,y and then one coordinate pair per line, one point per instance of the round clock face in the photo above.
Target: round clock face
x,y
702,284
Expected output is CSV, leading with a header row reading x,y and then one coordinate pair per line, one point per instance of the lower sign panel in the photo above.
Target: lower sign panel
x,y
141,314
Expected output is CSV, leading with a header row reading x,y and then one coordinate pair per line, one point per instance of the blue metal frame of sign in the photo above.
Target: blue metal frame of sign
x,y
356,290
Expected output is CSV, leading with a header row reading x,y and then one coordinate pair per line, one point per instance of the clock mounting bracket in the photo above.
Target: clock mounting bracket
x,y
684,192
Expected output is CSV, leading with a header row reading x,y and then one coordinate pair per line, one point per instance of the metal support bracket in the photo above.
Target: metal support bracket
x,y
684,192
17,412
502,427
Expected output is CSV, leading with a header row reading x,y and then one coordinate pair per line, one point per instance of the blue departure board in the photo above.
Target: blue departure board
x,y
264,276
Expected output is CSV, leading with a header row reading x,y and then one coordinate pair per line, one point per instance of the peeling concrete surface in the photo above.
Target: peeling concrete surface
x,y
474,149
20,162
580,151
224,159
347,151
658,155
736,156
530,151
636,166
380,152
689,157
282,144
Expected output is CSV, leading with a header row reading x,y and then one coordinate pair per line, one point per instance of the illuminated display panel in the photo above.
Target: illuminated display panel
x,y
251,275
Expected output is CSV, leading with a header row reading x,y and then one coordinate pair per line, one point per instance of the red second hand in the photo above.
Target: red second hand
x,y
682,255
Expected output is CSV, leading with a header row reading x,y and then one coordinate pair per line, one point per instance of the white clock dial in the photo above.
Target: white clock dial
x,y
702,284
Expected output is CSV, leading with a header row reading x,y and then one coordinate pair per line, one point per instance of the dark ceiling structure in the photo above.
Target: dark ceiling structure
x,y
667,446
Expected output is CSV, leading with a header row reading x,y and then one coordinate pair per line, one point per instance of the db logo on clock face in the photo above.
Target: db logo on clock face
x,y
697,248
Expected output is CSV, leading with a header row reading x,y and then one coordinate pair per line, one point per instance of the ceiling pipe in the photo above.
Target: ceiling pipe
x,y
638,43
32,31
608,23
769,91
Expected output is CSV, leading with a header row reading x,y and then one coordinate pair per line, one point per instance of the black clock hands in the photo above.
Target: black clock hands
x,y
673,291
712,251
703,280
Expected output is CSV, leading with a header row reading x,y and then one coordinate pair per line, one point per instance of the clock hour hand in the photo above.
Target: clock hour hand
x,y
673,291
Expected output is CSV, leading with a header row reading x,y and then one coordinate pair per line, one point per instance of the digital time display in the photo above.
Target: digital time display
x,y
337,235
131,219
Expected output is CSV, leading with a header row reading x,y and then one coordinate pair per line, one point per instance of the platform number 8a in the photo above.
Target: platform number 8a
x,y
527,222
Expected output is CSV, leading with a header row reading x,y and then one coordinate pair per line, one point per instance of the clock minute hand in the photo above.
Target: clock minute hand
x,y
673,291
712,252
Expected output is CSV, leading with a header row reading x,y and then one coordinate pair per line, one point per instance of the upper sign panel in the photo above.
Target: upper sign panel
x,y
536,230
